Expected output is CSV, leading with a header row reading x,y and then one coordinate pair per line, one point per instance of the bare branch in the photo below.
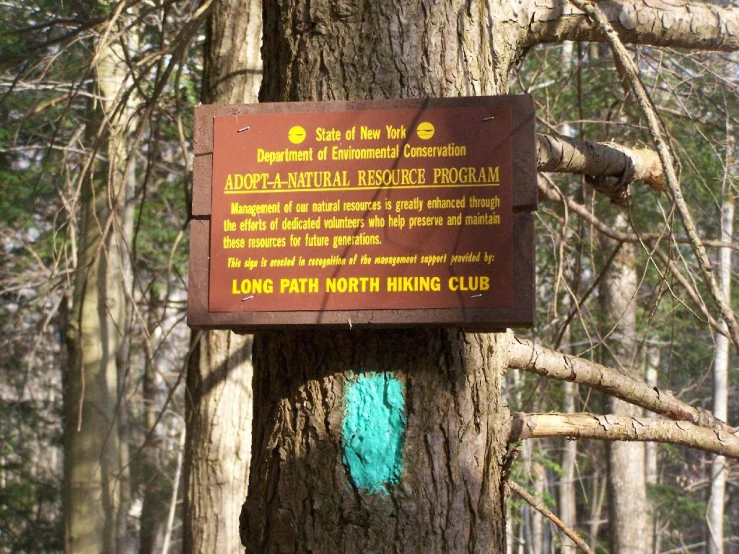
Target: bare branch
x,y
623,428
530,357
548,191
694,25
690,291
632,77
598,160
543,510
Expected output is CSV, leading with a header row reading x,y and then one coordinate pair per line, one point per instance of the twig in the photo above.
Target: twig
x,y
538,506
548,191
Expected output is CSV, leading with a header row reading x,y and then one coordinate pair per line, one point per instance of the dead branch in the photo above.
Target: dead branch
x,y
623,428
631,74
543,510
599,161
531,357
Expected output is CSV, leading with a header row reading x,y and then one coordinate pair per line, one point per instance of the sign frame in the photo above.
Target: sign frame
x,y
524,202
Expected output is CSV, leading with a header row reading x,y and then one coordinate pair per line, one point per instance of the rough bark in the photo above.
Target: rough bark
x,y
232,70
448,498
219,394
218,417
317,51
95,455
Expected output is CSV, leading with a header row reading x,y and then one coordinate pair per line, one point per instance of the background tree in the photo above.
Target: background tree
x,y
719,466
92,95
219,391
97,471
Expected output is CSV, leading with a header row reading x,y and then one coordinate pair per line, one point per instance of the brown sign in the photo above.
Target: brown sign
x,y
373,211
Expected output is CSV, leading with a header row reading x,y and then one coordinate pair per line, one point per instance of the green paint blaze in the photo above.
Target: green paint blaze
x,y
374,431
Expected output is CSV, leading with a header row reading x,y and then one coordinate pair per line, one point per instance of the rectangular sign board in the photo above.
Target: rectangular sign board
x,y
383,213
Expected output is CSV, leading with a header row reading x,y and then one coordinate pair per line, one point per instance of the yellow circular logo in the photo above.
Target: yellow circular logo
x,y
425,130
296,134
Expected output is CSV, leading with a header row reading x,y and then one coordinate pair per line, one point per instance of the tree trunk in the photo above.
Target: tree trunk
x,y
95,455
219,394
627,492
599,488
156,483
653,355
566,489
218,418
440,487
442,492
719,467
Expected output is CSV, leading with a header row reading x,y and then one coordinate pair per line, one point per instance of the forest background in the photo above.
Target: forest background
x,y
96,106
